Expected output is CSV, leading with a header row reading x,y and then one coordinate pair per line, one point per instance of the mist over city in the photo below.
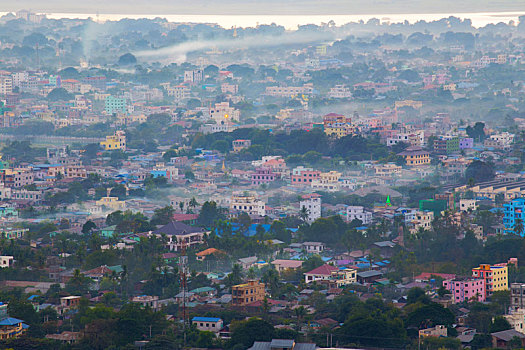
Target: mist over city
x,y
281,175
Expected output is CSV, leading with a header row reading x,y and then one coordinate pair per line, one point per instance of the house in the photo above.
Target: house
x,y
283,265
151,301
209,324
368,276
248,262
65,337
313,247
68,303
282,344
517,296
6,261
358,212
323,272
11,327
248,203
179,234
437,331
502,340
200,256
246,293
239,145
415,156
115,141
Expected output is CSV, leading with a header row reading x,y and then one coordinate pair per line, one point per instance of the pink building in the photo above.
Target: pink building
x,y
262,176
466,288
304,176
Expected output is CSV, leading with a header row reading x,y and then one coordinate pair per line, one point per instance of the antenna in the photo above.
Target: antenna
x,y
37,57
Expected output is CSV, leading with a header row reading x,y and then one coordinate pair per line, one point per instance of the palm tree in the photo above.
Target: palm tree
x,y
300,312
181,206
518,227
304,213
193,202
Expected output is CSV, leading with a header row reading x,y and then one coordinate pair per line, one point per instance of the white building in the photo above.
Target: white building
x,y
248,203
222,112
6,84
414,138
312,203
6,261
358,212
193,76
466,204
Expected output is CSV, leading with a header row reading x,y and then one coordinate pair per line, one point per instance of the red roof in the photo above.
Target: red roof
x,y
184,217
323,270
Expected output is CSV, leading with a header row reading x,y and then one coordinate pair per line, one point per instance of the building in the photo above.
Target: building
x,y
115,105
514,212
181,235
6,261
285,265
327,181
313,247
288,91
468,204
517,296
312,203
437,331
337,125
387,170
413,138
178,92
194,76
247,293
115,141
151,301
417,220
262,176
495,276
11,327
208,324
222,112
304,176
415,156
6,84
13,233
358,212
68,303
466,289
446,145
282,344
502,340
110,203
248,203
239,145
321,273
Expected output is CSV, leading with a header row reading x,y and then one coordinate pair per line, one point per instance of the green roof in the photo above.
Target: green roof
x,y
203,290
116,268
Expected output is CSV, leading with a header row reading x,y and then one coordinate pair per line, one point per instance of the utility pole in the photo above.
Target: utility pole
x,y
183,269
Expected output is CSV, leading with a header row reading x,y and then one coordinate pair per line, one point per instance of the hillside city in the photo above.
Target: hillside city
x,y
188,186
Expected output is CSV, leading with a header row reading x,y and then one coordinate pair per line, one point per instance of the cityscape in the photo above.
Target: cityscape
x,y
276,181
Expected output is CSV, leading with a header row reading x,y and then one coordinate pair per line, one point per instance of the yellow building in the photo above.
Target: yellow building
x,y
111,203
247,293
495,276
115,141
337,125
415,156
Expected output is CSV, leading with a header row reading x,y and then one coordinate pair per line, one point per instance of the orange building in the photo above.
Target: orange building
x,y
247,293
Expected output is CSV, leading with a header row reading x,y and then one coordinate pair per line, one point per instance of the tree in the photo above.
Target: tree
x,y
499,324
234,277
247,332
88,227
304,213
209,214
518,227
127,59
162,216
59,94
477,132
480,171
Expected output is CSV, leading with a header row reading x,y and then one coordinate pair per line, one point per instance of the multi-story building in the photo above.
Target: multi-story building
x,y
248,203
514,211
247,293
466,289
223,112
312,203
287,91
387,170
194,76
115,141
337,125
304,176
239,145
115,105
466,143
416,220
517,296
358,212
328,181
446,145
262,175
178,92
6,84
17,177
340,91
415,156
6,261
413,138
495,276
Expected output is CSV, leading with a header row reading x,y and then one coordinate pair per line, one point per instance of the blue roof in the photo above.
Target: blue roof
x,y
10,321
206,319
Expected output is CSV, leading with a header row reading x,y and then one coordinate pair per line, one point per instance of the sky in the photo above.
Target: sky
x,y
254,7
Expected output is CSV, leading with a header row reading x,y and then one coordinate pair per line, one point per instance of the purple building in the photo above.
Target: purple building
x,y
262,176
466,143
